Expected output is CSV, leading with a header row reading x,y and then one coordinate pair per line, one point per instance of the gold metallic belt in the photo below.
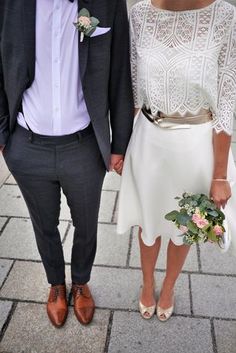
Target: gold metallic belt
x,y
176,122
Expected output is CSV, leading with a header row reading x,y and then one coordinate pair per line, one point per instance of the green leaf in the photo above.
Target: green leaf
x,y
192,227
212,213
183,218
94,21
171,216
84,12
212,236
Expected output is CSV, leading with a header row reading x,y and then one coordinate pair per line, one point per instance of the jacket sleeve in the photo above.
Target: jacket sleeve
x,y
120,88
4,112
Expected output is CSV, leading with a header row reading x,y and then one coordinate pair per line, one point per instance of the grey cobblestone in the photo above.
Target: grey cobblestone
x,y
2,222
185,335
30,332
5,266
225,336
5,308
214,296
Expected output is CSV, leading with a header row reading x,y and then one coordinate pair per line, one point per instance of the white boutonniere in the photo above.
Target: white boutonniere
x,y
86,24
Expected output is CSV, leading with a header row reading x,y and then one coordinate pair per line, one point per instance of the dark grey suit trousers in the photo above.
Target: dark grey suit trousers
x,y
42,167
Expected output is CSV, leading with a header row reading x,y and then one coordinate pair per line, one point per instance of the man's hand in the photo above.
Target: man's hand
x,y
116,163
1,148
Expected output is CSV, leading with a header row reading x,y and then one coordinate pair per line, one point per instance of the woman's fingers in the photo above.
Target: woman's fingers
x,y
220,193
119,167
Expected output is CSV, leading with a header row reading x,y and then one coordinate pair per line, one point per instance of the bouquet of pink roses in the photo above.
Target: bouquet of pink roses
x,y
198,219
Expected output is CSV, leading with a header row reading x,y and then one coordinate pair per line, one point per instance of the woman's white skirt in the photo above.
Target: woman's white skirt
x,y
161,164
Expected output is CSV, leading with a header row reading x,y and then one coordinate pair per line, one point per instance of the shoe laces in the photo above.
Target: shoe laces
x,y
78,290
57,291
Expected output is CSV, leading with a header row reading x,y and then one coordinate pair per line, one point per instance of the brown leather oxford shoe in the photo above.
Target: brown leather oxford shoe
x,y
84,305
57,307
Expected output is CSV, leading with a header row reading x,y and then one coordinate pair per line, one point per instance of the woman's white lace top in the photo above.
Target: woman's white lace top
x,y
183,61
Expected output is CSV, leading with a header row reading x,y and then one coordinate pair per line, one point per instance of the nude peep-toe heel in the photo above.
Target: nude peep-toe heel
x,y
147,312
164,314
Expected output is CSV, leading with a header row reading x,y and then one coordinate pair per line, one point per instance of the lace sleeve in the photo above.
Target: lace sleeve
x,y
134,64
226,102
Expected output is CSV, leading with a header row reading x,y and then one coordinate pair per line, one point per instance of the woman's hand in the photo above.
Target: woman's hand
x,y
116,163
220,192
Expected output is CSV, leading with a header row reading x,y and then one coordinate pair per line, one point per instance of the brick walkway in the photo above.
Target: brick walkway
x,y
205,314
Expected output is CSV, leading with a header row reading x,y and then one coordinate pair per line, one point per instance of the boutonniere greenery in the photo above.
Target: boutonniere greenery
x,y
86,24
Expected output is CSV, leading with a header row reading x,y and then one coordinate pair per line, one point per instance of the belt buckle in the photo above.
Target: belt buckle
x,y
157,119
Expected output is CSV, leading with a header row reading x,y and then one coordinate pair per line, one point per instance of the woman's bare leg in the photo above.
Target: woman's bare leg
x,y
148,255
176,256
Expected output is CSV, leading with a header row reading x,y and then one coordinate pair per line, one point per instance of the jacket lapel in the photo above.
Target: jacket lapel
x,y
83,46
29,24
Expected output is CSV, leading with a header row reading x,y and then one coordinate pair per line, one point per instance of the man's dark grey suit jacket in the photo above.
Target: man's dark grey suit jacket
x,y
104,67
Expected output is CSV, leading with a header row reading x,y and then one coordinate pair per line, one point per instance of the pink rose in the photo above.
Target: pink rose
x,y
183,229
202,222
218,230
85,21
196,217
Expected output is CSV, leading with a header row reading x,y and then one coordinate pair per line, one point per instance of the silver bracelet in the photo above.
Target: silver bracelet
x,y
219,180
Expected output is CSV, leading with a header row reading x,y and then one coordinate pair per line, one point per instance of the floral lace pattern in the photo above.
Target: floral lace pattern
x,y
183,61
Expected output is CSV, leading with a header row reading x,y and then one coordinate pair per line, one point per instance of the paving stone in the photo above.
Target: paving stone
x,y
120,288
225,336
112,249
191,261
111,181
213,261
131,334
18,240
107,206
11,180
65,211
2,222
27,281
4,172
5,308
5,266
12,202
214,296
20,337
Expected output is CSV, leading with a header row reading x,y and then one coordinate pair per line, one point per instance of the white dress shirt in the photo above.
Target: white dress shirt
x,y
54,105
